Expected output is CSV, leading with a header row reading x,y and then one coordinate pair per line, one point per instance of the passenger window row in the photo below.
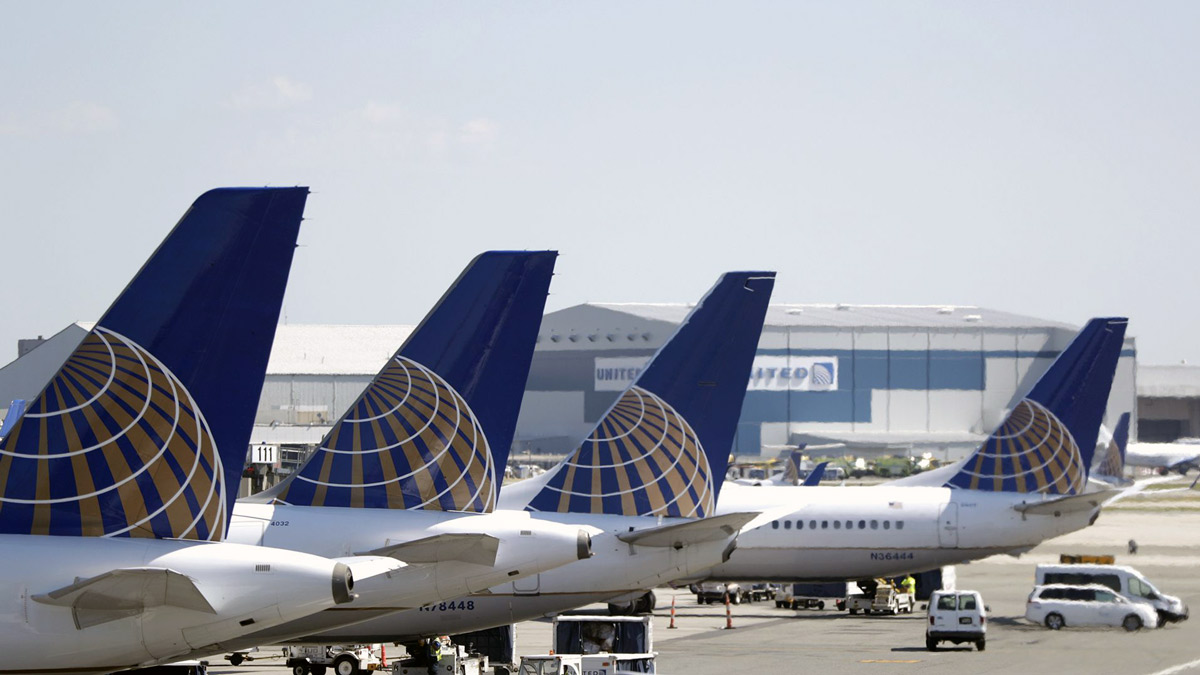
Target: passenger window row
x,y
838,524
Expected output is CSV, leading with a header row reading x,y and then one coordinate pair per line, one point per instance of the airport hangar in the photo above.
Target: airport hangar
x,y
880,379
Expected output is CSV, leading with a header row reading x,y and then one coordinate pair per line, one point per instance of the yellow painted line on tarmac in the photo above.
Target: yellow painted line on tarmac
x,y
890,661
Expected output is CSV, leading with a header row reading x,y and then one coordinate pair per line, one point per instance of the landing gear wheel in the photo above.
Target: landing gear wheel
x,y
345,665
931,644
1054,621
1132,623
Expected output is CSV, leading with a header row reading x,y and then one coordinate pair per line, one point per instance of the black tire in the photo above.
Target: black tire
x,y
820,604
236,659
1132,623
318,670
1162,618
300,669
345,664
981,644
931,644
1054,621
866,611
736,599
853,611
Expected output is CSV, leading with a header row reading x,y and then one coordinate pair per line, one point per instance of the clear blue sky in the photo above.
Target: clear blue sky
x,y
1040,158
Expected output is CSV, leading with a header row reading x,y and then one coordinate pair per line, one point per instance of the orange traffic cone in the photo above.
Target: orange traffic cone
x,y
672,624
728,613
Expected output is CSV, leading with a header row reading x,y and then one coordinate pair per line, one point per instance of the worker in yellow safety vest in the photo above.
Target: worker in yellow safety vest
x,y
909,585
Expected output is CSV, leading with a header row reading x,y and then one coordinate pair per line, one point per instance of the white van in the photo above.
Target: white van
x,y
956,616
1123,579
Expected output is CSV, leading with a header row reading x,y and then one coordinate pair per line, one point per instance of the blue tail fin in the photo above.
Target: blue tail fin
x,y
1113,463
15,410
791,467
435,425
1048,440
663,448
814,478
144,430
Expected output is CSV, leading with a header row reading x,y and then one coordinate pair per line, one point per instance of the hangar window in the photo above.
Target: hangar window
x,y
787,524
899,524
837,524
874,524
887,524
799,524
774,524
812,524
862,524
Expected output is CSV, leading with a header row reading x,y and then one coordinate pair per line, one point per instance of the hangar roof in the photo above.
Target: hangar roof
x,y
1168,381
852,316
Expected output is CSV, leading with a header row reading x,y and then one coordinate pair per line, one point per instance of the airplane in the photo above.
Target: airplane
x,y
792,471
1180,456
410,469
1025,484
642,478
116,481
1111,469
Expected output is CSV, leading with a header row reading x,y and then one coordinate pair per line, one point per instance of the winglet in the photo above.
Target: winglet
x,y
663,447
1112,465
1047,442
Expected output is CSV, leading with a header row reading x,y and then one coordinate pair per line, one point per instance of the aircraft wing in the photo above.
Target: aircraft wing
x,y
126,592
479,549
678,535
1069,504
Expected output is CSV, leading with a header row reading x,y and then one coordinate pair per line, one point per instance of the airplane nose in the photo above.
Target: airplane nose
x,y
583,545
343,584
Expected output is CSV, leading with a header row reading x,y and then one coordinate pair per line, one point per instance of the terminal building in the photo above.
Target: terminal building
x,y
877,379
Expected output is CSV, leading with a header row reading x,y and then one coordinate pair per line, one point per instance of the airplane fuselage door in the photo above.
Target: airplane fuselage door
x,y
948,526
530,585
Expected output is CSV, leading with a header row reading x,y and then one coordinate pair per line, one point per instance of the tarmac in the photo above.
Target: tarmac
x,y
766,638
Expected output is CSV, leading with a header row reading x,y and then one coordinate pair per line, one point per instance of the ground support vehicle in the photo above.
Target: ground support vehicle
x,y
714,591
857,602
958,617
339,659
595,645
452,660
891,600
759,593
810,595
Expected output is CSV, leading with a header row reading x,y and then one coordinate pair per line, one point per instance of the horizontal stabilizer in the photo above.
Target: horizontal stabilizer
x,y
1062,505
479,549
691,532
126,592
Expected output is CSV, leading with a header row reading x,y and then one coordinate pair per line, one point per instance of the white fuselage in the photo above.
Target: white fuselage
x,y
848,533
616,569
527,546
1164,456
248,587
